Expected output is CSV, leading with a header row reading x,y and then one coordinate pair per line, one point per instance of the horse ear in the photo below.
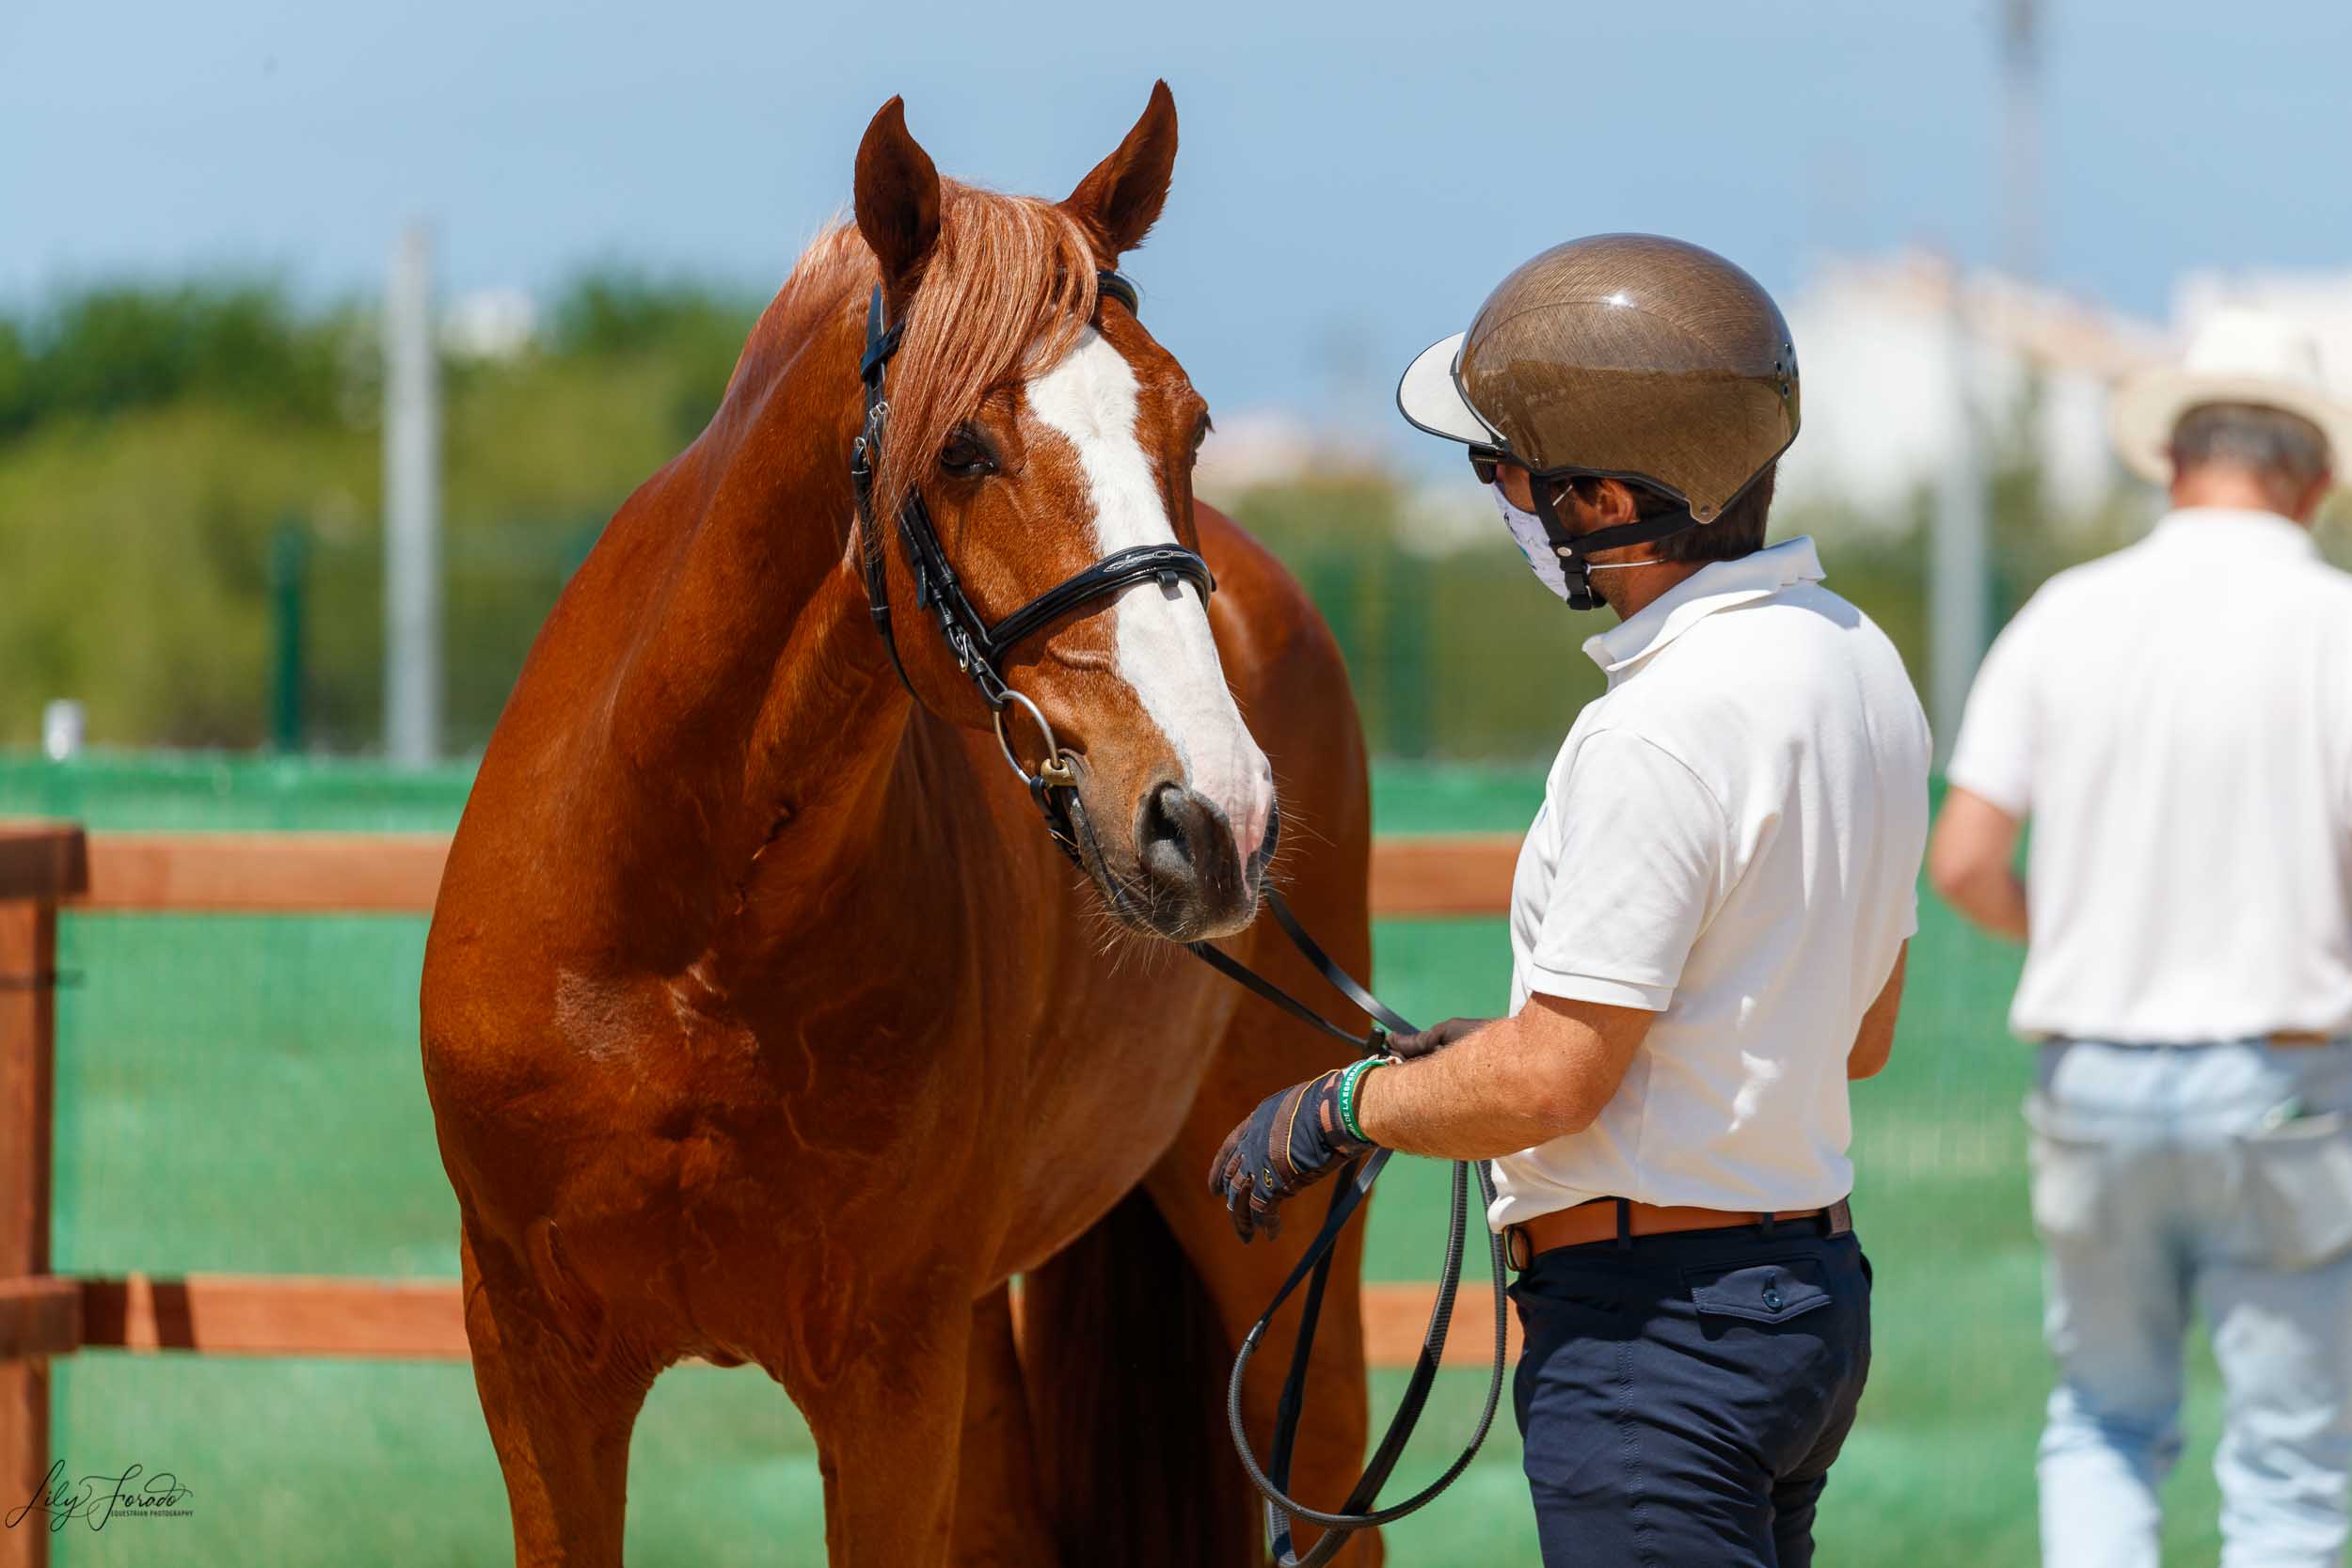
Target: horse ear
x,y
1120,200
898,199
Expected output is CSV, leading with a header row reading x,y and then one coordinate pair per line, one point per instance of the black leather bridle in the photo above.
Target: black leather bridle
x,y
979,646
979,649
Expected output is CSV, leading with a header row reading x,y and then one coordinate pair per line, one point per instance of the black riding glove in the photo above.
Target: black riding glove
x,y
1432,1040
1290,1142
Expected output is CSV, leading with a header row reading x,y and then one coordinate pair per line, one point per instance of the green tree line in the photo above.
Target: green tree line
x,y
183,463
157,440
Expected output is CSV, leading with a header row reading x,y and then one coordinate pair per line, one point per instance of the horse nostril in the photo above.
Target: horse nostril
x,y
1191,863
1166,826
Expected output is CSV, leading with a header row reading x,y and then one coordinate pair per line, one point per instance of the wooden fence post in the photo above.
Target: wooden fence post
x,y
39,864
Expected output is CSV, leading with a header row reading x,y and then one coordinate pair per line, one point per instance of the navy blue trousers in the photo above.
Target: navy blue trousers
x,y
1682,1398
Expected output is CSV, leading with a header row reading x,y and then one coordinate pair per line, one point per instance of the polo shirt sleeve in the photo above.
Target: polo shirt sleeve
x,y
1643,848
1993,755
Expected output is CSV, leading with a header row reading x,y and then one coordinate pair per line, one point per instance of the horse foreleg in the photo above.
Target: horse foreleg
x,y
889,1429
1259,1055
1000,1520
561,1400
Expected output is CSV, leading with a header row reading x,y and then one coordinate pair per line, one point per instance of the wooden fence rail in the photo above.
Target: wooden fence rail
x,y
46,867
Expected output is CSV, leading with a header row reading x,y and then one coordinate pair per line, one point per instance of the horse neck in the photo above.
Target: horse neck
x,y
757,697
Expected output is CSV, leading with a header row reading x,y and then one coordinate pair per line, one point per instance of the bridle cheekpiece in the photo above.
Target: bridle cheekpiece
x,y
979,645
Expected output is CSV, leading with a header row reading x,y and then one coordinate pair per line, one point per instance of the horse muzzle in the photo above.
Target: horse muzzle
x,y
1182,875
1193,869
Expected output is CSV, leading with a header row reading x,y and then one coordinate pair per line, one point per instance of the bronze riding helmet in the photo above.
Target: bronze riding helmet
x,y
1627,356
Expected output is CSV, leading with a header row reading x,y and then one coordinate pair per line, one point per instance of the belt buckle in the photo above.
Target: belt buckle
x,y
1517,1251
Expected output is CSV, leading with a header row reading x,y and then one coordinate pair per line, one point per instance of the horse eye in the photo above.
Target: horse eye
x,y
967,456
1201,434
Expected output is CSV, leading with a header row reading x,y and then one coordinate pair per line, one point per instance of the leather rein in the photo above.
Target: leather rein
x,y
980,647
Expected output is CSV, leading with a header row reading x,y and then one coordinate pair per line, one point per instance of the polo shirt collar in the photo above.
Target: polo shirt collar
x,y
2240,532
1718,585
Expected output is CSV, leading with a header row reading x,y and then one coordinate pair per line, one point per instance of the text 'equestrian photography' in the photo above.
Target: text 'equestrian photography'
x,y
1243,788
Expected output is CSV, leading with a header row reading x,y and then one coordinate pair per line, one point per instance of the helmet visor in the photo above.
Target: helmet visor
x,y
1431,399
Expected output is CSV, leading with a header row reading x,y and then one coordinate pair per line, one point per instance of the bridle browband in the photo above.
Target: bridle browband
x,y
980,647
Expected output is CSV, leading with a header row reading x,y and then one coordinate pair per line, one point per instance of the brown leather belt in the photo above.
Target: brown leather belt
x,y
1607,1219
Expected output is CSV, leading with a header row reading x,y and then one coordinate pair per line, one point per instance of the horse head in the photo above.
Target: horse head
x,y
1042,429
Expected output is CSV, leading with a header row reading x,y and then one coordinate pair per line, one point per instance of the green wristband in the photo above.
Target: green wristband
x,y
1349,1080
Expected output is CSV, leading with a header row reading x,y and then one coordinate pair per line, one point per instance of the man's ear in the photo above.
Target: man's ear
x,y
2315,498
897,201
1614,503
1119,202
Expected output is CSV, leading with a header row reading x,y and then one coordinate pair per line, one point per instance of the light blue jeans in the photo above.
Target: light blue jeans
x,y
2218,1177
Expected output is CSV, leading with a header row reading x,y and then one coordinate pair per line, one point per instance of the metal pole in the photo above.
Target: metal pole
x,y
2021,138
412,508
1959,565
288,553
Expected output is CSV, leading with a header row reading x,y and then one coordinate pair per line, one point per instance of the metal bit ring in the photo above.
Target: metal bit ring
x,y
1055,771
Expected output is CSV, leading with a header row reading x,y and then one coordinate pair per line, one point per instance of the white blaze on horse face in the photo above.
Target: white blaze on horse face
x,y
1164,650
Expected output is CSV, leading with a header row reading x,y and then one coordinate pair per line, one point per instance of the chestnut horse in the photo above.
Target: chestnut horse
x,y
763,1021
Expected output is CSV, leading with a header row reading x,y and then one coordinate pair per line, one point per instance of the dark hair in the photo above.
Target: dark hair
x,y
1738,532
2286,452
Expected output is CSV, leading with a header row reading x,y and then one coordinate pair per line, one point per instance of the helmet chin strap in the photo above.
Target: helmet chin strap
x,y
1575,549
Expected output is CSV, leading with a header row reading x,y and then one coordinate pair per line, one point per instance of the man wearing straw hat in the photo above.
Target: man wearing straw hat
x,y
2176,721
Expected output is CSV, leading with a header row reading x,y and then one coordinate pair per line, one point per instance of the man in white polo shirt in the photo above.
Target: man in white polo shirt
x,y
2176,720
1708,927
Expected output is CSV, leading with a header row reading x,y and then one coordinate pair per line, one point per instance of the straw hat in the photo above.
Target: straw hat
x,y
2238,355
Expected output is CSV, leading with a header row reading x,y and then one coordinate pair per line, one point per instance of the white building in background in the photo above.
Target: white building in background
x,y
1897,352
489,324
1251,447
1894,349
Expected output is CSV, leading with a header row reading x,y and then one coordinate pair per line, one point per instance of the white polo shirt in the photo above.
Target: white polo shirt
x,y
2176,719
1730,838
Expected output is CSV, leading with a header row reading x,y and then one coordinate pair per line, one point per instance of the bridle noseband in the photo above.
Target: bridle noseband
x,y
979,646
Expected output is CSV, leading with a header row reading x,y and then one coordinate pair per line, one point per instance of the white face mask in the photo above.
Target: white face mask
x,y
1527,530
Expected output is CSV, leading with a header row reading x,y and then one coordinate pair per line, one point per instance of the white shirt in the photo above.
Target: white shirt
x,y
2176,719
1730,838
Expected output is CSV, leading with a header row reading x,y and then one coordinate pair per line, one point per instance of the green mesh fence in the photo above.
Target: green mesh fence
x,y
244,1094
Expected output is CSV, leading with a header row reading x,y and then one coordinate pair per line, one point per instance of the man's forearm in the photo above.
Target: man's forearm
x,y
1542,1073
1971,861
1992,896
1474,1099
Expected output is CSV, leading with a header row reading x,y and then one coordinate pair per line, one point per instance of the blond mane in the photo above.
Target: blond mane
x,y
1007,290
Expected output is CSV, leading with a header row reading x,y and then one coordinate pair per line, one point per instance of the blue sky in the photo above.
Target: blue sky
x,y
1352,176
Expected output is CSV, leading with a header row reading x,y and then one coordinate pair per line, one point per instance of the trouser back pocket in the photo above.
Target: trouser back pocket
x,y
2068,1175
1762,1291
2298,1189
